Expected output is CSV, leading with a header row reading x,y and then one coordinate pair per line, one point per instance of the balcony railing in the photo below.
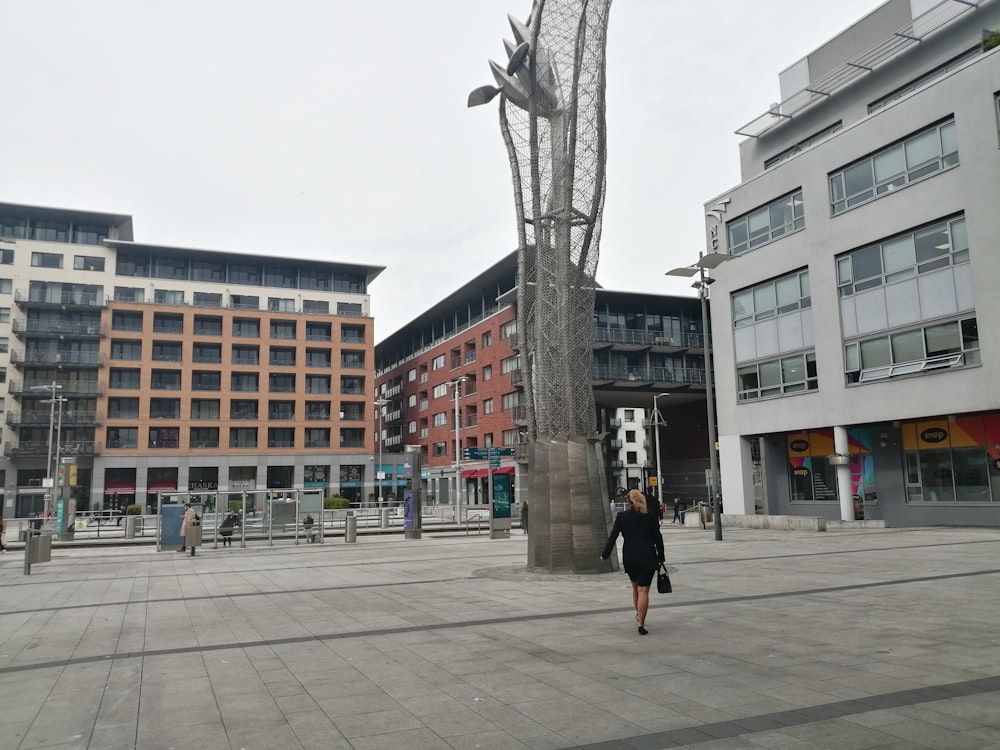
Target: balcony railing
x,y
41,418
638,337
81,359
69,388
689,375
59,297
52,328
41,448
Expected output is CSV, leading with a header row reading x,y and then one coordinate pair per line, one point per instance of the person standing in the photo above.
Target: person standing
x,y
524,517
3,535
679,509
227,527
186,523
642,552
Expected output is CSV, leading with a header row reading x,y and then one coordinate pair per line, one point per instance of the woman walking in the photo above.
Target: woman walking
x,y
642,552
187,521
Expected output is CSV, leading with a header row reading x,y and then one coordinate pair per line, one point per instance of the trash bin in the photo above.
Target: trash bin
x,y
41,548
351,527
130,524
193,538
705,513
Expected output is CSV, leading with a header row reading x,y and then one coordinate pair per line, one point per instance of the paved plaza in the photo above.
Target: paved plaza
x,y
844,639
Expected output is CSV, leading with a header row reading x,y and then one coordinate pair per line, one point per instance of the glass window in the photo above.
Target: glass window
x,y
243,409
765,224
943,339
934,246
46,260
907,347
51,231
87,263
783,295
204,408
895,166
875,353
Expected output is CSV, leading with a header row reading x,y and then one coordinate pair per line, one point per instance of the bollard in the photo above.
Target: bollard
x,y
385,517
130,522
351,527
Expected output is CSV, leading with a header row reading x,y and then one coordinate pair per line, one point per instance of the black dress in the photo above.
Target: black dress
x,y
642,552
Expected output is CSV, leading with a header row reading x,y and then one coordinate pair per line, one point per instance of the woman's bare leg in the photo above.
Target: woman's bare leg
x,y
635,600
642,603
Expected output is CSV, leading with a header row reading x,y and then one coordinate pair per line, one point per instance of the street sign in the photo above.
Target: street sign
x,y
67,459
473,454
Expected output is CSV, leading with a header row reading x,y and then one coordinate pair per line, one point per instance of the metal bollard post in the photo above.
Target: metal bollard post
x,y
350,528
385,518
27,552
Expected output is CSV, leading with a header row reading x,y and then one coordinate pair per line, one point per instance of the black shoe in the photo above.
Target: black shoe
x,y
642,630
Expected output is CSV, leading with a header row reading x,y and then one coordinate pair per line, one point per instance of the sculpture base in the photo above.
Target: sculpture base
x,y
568,506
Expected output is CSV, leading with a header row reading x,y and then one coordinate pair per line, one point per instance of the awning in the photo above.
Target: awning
x,y
114,488
504,470
474,473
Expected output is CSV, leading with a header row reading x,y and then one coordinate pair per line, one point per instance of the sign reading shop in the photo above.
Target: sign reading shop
x,y
934,435
203,485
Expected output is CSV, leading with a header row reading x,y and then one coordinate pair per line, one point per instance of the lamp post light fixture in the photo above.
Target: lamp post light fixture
x,y
456,390
705,263
656,420
380,405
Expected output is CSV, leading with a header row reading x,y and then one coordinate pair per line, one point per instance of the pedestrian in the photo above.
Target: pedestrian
x,y
3,535
186,523
307,525
226,528
524,517
679,507
651,502
642,552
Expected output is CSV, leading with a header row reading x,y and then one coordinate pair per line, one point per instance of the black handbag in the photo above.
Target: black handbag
x,y
663,580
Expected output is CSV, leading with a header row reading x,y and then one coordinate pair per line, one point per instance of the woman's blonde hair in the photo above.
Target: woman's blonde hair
x,y
637,500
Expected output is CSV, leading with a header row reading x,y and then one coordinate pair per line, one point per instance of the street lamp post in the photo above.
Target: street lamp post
x,y
52,388
456,390
656,420
705,263
379,474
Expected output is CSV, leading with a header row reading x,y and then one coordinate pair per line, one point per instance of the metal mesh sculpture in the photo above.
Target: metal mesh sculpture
x,y
552,117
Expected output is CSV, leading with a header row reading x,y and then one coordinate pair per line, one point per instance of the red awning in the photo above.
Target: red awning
x,y
113,488
158,485
504,470
474,473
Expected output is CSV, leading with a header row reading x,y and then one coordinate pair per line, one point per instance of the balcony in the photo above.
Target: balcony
x,y
40,418
31,448
636,339
519,414
54,359
69,389
642,375
57,298
516,377
56,329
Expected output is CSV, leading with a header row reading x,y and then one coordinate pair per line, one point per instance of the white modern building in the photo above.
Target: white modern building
x,y
857,324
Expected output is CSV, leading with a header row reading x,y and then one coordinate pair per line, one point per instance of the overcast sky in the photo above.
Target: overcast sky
x,y
339,131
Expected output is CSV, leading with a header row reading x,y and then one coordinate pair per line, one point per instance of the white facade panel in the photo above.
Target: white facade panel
x,y
870,306
937,294
766,333
746,344
965,297
808,334
848,317
902,304
790,332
